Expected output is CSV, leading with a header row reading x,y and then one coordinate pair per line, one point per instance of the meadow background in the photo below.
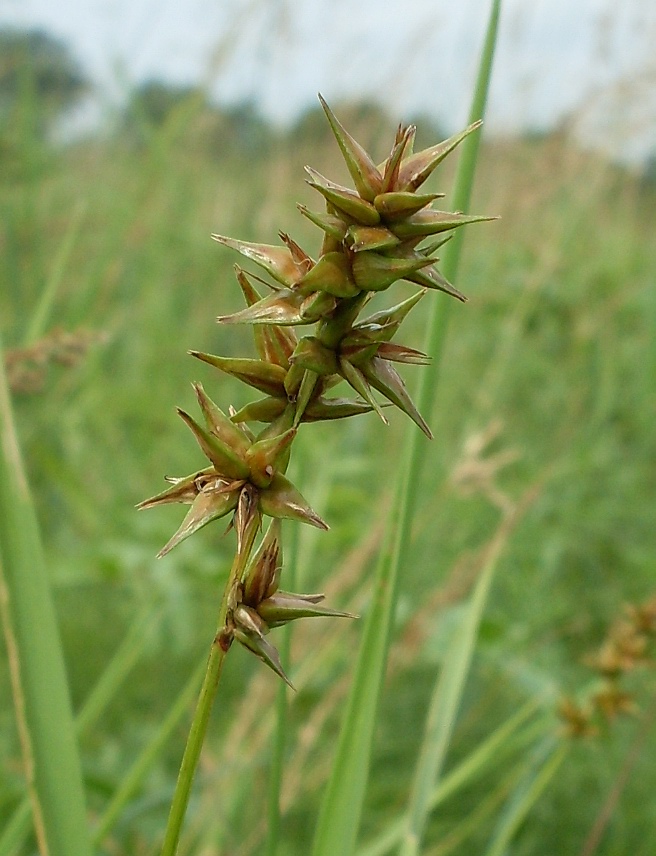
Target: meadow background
x,y
544,447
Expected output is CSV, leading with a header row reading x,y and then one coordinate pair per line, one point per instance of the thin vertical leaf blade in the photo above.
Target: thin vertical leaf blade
x,y
341,808
38,673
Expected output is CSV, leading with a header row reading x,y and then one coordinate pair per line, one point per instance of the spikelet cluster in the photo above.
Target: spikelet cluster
x,y
382,231
629,645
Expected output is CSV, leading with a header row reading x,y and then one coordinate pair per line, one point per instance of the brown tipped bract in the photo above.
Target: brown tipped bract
x,y
368,181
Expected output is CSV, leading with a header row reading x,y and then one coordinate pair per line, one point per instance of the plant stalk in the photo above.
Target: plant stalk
x,y
220,646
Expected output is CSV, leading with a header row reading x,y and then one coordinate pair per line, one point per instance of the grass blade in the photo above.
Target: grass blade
x,y
102,694
135,776
14,834
39,681
501,742
543,766
341,808
43,310
444,706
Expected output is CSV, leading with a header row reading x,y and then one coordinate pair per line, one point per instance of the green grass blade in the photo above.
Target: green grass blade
x,y
482,813
143,763
39,679
102,694
341,807
16,831
543,766
339,817
43,310
443,709
464,181
501,742
123,661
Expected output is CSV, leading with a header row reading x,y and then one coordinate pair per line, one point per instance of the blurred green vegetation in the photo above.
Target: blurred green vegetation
x,y
546,408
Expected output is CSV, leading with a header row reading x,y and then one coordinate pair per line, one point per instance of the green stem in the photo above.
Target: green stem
x,y
341,808
220,646
282,718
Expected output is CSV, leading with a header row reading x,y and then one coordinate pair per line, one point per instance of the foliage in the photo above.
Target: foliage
x,y
548,390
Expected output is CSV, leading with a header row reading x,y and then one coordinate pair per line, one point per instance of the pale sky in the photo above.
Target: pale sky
x,y
591,58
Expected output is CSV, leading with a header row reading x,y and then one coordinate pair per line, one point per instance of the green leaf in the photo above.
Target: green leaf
x,y
40,684
341,807
444,707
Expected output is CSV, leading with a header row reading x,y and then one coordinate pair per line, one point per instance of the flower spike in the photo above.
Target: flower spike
x,y
377,233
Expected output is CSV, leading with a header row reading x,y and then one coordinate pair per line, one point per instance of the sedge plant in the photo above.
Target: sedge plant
x,y
384,230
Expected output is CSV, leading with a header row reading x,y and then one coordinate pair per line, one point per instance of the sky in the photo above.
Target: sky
x,y
590,63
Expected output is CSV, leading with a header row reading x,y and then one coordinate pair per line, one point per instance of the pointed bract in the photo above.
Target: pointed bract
x,y
263,574
283,307
226,461
184,490
282,499
264,651
358,381
334,227
383,377
403,143
402,354
368,181
286,606
306,391
383,325
430,277
220,424
415,170
209,505
432,222
276,261
279,343
344,199
247,519
298,254
266,377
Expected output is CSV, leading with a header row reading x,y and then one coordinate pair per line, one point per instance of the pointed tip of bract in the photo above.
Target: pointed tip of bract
x,y
366,177
205,508
278,262
416,169
264,651
282,499
183,490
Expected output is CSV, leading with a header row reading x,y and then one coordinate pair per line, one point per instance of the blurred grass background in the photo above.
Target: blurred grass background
x,y
545,410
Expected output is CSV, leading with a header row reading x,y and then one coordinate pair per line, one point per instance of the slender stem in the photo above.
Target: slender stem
x,y
282,716
220,646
